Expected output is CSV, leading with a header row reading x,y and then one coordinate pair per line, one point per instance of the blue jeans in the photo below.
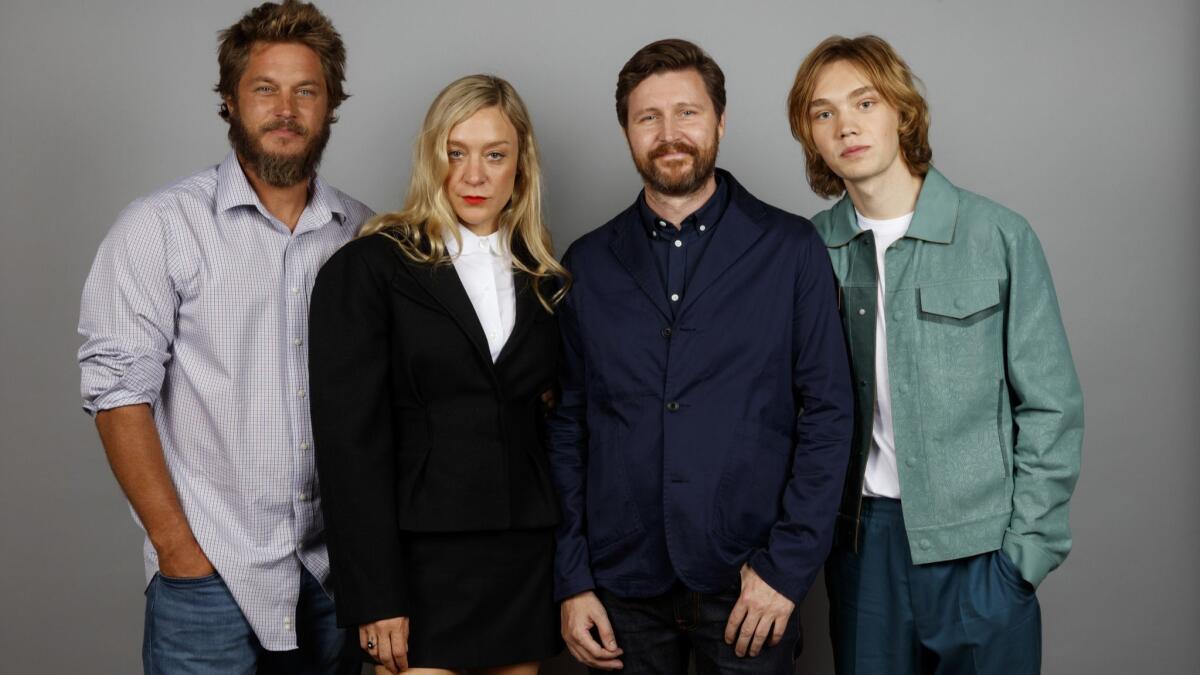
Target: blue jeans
x,y
660,634
972,616
194,627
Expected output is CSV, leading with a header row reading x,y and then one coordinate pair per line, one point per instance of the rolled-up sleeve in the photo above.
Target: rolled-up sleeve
x,y
127,313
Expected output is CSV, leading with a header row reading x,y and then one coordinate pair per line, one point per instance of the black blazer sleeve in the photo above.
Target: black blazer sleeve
x,y
354,433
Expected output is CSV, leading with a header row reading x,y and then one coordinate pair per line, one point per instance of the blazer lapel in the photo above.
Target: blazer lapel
x,y
739,228
631,248
527,307
442,282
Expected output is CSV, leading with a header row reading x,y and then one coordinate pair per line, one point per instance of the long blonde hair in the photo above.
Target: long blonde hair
x,y
427,214
889,74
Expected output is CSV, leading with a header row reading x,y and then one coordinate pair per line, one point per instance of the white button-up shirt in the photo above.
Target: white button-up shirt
x,y
485,268
197,304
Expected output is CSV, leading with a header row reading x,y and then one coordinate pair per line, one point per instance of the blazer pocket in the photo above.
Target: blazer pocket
x,y
612,515
751,487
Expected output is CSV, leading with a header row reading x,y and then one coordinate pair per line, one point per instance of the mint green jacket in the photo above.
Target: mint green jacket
x,y
986,405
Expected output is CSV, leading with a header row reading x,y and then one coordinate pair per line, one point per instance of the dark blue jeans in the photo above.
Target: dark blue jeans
x,y
194,627
973,616
660,634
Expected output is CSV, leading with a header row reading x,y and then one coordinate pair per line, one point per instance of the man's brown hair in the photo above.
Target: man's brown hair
x,y
665,56
890,75
288,21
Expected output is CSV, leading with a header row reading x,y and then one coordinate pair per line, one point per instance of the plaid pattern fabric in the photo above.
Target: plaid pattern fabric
x,y
197,304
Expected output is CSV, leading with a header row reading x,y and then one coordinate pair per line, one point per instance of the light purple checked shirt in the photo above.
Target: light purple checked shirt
x,y
197,304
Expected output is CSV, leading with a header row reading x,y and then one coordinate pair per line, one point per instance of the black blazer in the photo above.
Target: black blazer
x,y
415,428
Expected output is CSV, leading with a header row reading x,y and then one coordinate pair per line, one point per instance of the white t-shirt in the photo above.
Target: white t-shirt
x,y
485,267
882,478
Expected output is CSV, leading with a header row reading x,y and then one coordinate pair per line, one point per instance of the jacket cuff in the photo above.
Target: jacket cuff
x,y
785,584
1032,561
576,583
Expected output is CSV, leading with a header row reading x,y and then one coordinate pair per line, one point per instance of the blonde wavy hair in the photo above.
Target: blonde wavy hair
x,y
890,75
418,228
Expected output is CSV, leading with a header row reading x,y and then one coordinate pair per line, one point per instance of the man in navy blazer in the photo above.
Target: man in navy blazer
x,y
703,429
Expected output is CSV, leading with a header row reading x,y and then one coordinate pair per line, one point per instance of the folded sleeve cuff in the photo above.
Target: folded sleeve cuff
x,y
1031,560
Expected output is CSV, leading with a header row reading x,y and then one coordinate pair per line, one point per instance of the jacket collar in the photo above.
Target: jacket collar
x,y
933,220
741,225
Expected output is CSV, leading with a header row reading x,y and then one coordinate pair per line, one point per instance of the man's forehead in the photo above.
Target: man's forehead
x,y
683,84
840,78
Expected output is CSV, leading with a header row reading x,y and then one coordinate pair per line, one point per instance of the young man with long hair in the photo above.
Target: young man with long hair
x,y
970,417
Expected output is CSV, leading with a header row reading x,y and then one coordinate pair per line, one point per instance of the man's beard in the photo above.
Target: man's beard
x,y
703,164
275,169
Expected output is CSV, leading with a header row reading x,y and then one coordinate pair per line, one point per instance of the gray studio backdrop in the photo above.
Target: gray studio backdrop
x,y
1080,115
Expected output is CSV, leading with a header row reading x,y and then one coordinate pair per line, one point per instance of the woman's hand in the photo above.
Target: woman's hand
x,y
386,641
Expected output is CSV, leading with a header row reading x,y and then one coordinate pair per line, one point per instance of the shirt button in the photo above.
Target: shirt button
x,y
295,290
653,234
674,297
924,544
304,445
862,312
904,389
701,228
662,223
673,406
300,392
297,341
862,383
911,461
666,332
959,303
303,496
678,243
482,243
287,623
897,316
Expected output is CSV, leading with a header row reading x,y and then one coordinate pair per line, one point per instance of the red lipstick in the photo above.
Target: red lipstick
x,y
474,200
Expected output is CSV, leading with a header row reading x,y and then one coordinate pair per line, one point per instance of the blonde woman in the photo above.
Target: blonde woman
x,y
432,343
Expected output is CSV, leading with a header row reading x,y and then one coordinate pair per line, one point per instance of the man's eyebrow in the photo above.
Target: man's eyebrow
x,y
854,94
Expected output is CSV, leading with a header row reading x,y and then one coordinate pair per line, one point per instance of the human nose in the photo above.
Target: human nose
x,y
668,131
473,173
285,105
849,126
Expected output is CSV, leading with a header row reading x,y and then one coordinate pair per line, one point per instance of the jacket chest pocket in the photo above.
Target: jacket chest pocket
x,y
961,326
959,301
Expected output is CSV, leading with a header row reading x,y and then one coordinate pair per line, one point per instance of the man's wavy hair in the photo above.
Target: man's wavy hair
x,y
666,56
890,75
288,21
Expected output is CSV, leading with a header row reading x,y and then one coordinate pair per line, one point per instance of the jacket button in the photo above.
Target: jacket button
x,y
924,544
666,332
911,461
673,406
862,312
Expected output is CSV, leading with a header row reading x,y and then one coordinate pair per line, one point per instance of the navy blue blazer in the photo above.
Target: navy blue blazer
x,y
682,448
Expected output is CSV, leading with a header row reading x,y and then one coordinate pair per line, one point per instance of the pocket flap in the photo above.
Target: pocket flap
x,y
960,300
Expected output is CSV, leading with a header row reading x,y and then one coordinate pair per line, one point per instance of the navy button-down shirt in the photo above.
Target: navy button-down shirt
x,y
677,251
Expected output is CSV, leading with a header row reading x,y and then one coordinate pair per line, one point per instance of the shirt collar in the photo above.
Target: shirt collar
x,y
933,220
709,213
234,190
473,244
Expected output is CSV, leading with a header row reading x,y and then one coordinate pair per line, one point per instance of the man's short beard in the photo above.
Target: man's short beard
x,y
703,165
277,169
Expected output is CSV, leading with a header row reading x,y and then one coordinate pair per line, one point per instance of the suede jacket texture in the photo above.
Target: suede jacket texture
x,y
987,408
